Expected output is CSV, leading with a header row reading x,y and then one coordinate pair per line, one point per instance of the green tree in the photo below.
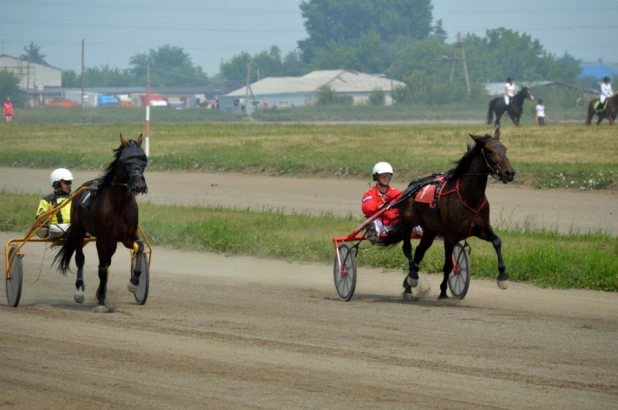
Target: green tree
x,y
327,96
9,87
69,79
270,63
33,54
377,97
342,21
169,66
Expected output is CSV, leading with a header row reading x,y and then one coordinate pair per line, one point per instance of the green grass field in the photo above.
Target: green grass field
x,y
558,156
542,258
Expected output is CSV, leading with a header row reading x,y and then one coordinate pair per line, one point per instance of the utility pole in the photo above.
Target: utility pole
x,y
222,79
453,60
83,101
247,84
463,57
27,83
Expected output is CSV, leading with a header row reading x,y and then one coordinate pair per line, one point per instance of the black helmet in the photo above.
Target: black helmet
x,y
509,79
606,78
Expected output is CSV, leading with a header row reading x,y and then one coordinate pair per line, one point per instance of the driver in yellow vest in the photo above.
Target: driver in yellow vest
x,y
61,180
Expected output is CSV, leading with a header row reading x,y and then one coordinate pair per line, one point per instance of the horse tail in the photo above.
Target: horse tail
x,y
66,251
490,113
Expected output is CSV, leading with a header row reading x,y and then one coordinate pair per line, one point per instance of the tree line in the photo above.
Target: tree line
x,y
394,37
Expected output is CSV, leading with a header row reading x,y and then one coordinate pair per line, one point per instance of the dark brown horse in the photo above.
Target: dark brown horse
x,y
111,217
609,112
515,108
462,210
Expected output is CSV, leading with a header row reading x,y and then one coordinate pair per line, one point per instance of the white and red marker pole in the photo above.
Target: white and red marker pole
x,y
148,110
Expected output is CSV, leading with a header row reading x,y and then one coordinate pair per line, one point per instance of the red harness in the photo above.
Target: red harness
x,y
476,211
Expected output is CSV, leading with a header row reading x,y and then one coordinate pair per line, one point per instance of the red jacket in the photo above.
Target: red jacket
x,y
374,198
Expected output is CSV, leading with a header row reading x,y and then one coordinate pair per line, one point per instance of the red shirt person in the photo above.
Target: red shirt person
x,y
8,110
375,198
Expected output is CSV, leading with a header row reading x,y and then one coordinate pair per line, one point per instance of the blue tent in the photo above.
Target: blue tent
x,y
598,71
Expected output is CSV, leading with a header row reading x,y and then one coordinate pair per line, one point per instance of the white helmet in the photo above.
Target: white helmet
x,y
382,168
60,174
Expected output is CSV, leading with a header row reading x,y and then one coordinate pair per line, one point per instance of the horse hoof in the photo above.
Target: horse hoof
x,y
412,282
443,297
409,297
79,296
132,288
101,309
503,284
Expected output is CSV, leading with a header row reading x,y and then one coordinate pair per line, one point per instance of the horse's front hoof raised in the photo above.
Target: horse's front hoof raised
x,y
101,309
79,296
132,288
503,284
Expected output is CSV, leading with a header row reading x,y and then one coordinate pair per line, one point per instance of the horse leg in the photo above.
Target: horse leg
x,y
77,237
103,275
79,282
489,235
448,266
138,248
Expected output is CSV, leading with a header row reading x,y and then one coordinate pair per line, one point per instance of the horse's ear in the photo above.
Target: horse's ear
x,y
497,134
139,140
475,137
123,142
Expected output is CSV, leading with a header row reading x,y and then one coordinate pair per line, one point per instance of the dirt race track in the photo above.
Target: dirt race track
x,y
221,332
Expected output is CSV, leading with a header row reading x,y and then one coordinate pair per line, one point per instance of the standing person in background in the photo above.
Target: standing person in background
x,y
540,113
265,104
8,110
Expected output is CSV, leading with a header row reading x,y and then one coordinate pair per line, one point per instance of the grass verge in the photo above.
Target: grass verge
x,y
544,258
563,156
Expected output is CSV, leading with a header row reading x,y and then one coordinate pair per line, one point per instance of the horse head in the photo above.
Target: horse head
x,y
525,92
131,164
494,155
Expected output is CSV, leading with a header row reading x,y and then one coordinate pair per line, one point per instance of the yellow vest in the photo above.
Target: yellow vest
x,y
55,199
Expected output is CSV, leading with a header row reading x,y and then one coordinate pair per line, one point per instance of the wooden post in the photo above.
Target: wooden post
x,y
83,102
463,56
247,85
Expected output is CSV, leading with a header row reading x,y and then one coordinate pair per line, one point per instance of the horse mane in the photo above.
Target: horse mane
x,y
108,177
464,163
520,95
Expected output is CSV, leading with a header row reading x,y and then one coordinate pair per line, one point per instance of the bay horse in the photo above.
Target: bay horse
x,y
462,209
609,112
111,217
515,108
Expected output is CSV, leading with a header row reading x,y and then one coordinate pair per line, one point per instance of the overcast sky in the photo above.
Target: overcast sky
x,y
209,30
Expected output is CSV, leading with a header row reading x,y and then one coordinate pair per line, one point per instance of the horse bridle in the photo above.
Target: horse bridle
x,y
496,171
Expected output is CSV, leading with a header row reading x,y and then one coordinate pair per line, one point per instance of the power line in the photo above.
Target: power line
x,y
116,7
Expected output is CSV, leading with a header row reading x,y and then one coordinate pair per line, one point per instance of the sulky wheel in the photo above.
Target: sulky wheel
x,y
459,278
141,294
345,282
13,285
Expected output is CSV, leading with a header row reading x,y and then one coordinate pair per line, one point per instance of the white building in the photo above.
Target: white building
x,y
284,92
31,75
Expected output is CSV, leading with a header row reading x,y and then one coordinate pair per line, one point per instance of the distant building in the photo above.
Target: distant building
x,y
31,75
285,92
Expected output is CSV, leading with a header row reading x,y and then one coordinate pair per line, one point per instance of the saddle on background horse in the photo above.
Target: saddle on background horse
x,y
598,107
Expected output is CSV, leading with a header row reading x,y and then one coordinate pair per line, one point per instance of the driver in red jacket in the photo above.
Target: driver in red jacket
x,y
375,198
